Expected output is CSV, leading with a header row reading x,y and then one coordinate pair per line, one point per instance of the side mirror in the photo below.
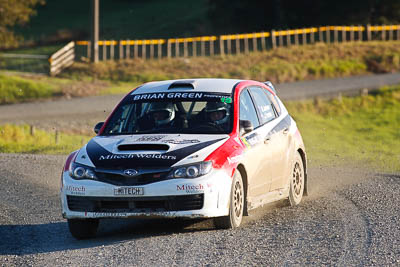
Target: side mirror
x,y
245,127
98,127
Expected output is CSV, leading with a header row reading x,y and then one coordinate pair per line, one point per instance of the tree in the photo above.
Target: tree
x,y
12,13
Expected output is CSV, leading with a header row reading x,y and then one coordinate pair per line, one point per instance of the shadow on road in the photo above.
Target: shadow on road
x,y
51,237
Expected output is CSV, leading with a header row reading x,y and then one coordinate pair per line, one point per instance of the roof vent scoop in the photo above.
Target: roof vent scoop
x,y
183,84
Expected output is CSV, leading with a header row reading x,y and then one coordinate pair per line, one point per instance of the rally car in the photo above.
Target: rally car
x,y
198,148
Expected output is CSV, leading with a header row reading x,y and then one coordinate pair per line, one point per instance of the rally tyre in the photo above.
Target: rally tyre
x,y
297,177
83,229
234,219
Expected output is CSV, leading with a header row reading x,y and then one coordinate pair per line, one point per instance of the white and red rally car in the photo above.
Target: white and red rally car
x,y
186,148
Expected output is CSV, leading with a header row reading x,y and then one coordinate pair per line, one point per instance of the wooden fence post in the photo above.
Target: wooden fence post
x,y
263,45
136,49
229,45
328,34
168,48
177,48
221,46
151,49
383,33
296,38
128,49
211,47
344,34
194,48
335,35
320,35
255,43
351,33
112,50
203,48
57,137
32,130
312,36
121,50
288,39
237,40
280,39
360,33
368,32
273,39
304,37
390,33
246,45
144,50
159,52
185,48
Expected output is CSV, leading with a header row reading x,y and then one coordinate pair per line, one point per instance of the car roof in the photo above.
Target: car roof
x,y
194,85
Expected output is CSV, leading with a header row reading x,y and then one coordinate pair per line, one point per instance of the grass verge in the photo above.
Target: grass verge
x,y
365,130
19,139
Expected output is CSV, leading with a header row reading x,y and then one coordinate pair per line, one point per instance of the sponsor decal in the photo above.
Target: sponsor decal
x,y
76,190
137,156
252,139
130,172
152,138
234,159
227,100
181,142
128,191
174,95
190,188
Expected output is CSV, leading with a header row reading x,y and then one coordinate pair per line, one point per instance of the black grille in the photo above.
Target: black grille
x,y
143,179
136,204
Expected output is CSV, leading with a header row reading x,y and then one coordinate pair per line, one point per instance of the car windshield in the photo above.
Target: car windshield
x,y
190,113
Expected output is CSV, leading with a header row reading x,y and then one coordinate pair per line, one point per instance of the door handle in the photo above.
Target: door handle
x,y
286,130
267,139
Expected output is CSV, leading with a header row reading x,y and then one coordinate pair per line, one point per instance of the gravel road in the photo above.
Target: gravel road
x,y
351,218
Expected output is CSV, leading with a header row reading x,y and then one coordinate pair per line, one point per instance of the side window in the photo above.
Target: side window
x,y
247,110
263,104
274,102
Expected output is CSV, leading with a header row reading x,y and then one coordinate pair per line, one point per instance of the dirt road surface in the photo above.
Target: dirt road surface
x,y
351,218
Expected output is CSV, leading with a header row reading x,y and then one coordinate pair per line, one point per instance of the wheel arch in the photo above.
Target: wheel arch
x,y
304,159
243,173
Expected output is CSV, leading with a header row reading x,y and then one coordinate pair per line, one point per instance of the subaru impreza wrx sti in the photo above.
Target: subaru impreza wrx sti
x,y
196,148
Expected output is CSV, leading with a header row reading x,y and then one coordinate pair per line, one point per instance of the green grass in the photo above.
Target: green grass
x,y
18,139
16,89
363,130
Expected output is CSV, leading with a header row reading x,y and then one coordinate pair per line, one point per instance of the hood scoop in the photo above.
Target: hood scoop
x,y
141,147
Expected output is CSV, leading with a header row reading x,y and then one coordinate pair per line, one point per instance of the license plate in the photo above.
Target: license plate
x,y
128,191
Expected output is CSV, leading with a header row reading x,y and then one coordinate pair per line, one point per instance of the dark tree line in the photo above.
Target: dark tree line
x,y
258,15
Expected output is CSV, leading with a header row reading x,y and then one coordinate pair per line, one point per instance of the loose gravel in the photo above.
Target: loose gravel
x,y
351,218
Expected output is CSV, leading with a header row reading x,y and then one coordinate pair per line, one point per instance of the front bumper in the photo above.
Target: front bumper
x,y
204,197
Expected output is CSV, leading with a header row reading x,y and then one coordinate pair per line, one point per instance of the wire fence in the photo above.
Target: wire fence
x,y
234,43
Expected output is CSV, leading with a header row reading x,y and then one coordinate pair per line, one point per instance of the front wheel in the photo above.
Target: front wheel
x,y
296,181
234,219
83,228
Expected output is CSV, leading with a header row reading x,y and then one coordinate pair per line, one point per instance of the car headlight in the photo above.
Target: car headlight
x,y
79,171
191,171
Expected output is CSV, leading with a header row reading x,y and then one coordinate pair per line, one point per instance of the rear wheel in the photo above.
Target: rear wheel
x,y
236,205
83,228
296,181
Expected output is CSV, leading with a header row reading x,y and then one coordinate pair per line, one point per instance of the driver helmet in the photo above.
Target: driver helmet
x,y
217,112
162,112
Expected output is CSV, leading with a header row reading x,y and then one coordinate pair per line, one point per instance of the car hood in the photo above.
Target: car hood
x,y
148,151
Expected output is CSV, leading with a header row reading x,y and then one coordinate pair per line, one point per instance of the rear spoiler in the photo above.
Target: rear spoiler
x,y
270,85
